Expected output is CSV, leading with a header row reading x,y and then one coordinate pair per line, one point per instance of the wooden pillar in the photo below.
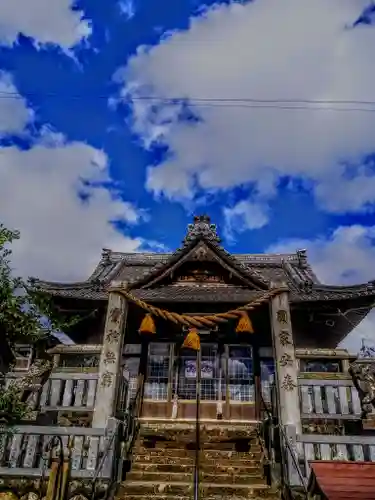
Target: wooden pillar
x,y
286,375
110,359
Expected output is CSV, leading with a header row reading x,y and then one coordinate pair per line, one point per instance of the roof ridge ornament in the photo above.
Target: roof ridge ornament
x,y
302,257
201,227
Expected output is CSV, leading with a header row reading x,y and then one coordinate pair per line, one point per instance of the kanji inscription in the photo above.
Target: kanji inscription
x,y
285,338
115,314
109,357
107,378
286,360
288,383
282,316
112,336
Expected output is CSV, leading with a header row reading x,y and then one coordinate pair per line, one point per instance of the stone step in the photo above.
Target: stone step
x,y
158,452
208,459
171,477
210,468
159,477
231,456
232,479
124,495
261,495
180,489
159,460
190,446
182,451
185,431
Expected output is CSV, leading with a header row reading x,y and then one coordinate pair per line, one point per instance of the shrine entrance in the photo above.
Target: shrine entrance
x,y
229,382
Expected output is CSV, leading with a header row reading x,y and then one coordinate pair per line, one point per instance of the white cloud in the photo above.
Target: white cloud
x,y
265,49
346,257
44,21
14,114
244,215
127,8
61,235
41,191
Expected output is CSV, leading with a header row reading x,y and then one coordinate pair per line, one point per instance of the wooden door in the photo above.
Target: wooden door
x,y
209,360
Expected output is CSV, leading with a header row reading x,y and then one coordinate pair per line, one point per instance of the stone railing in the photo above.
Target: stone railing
x,y
335,385
326,389
71,387
24,452
320,447
64,391
334,399
69,391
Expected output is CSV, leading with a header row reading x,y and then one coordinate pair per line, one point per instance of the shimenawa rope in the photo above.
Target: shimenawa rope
x,y
210,320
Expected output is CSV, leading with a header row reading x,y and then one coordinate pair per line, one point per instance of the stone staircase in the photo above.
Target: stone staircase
x,y
164,457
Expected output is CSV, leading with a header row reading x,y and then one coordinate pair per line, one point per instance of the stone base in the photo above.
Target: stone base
x,y
36,488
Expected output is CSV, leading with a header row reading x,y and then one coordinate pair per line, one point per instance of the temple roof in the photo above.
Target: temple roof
x,y
144,271
342,480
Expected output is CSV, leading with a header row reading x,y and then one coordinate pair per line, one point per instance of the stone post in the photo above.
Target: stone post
x,y
286,376
110,358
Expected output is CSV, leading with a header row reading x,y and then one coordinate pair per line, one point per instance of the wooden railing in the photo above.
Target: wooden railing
x,y
324,398
321,447
23,452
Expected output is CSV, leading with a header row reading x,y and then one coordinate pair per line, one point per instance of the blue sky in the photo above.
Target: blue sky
x,y
121,119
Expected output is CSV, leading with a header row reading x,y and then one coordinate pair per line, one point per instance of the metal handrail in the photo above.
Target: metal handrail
x,y
271,419
197,428
99,467
130,427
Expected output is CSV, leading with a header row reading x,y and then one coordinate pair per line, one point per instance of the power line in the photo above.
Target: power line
x,y
253,103
16,95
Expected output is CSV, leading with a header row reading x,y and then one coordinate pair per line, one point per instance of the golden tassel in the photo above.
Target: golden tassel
x,y
192,340
147,325
244,324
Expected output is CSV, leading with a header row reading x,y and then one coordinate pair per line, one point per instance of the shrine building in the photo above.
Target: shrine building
x,y
202,374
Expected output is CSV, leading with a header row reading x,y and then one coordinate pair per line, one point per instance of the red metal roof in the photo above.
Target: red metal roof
x,y
343,480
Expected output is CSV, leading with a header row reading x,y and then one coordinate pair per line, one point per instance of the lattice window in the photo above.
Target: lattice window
x,y
210,370
156,386
187,383
240,374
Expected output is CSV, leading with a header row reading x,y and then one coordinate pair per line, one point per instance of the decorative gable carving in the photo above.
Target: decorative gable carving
x,y
202,253
199,265
199,275
201,245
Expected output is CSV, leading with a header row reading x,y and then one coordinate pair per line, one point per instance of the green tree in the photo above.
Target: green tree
x,y
27,316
